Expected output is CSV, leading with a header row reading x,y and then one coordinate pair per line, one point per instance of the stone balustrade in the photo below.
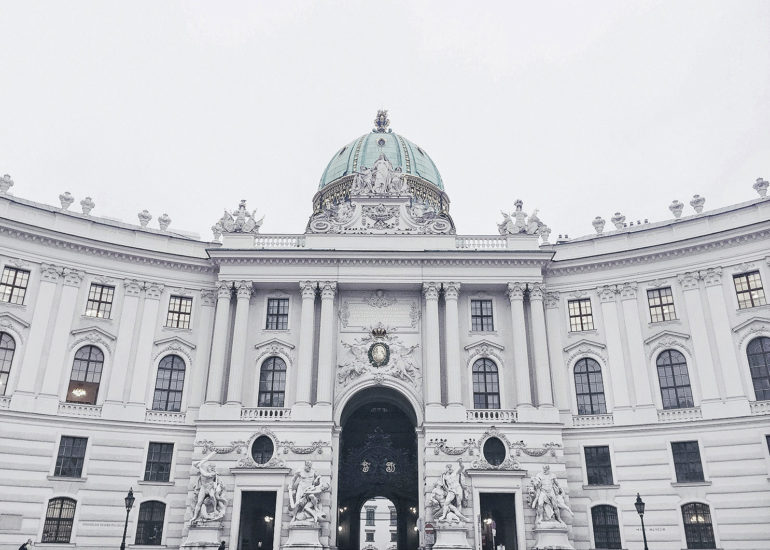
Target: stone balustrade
x,y
760,407
591,420
279,241
165,417
492,415
480,242
265,413
80,409
679,415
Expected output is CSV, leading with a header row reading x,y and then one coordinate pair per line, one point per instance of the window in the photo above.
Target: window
x,y
698,531
86,375
486,387
72,454
179,312
158,466
370,516
7,349
581,316
589,387
58,520
494,451
661,303
687,461
272,382
758,353
748,288
149,527
369,535
13,285
277,314
598,465
674,380
262,449
100,301
481,316
394,536
606,528
393,517
169,384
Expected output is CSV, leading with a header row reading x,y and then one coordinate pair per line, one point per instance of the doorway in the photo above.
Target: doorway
x,y
498,521
257,520
378,458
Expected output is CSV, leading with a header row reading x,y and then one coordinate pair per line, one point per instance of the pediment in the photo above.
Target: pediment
x,y
485,348
755,326
95,331
275,346
670,334
13,319
93,335
274,342
753,321
174,339
585,344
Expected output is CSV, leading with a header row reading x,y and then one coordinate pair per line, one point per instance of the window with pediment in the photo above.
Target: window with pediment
x,y
758,354
589,387
674,380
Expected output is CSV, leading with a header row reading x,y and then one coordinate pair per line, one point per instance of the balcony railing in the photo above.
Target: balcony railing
x,y
760,407
679,415
481,242
279,241
589,420
492,415
165,417
80,409
265,413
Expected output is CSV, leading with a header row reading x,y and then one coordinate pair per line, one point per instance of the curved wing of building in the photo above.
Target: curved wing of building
x,y
504,390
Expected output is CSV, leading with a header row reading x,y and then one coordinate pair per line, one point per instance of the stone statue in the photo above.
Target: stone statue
x,y
516,222
362,182
382,174
449,495
208,495
305,493
547,497
240,221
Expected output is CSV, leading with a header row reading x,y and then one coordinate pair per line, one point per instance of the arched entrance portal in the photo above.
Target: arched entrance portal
x,y
378,457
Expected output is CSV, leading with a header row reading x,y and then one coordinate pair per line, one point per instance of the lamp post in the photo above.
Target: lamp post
x,y
129,504
639,505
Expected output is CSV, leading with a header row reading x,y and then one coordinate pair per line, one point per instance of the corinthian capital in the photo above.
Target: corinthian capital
x,y
224,289
536,291
73,277
516,291
689,280
430,291
208,297
328,290
244,289
607,293
712,276
50,272
551,300
628,291
132,287
153,291
308,289
451,291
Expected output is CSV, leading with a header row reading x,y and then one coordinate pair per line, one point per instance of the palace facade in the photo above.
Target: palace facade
x,y
381,345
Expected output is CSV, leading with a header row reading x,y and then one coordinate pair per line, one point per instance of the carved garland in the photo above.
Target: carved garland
x,y
439,445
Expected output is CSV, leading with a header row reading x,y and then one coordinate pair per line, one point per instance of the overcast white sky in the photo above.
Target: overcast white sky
x,y
578,108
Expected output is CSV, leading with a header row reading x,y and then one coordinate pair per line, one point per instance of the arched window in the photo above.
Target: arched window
x,y
606,529
169,384
58,520
698,531
7,348
272,382
86,375
674,380
758,352
589,387
486,387
149,527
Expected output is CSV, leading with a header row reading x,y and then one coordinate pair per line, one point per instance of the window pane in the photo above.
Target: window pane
x,y
589,387
687,461
158,466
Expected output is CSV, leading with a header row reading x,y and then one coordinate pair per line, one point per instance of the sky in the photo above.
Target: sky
x,y
580,109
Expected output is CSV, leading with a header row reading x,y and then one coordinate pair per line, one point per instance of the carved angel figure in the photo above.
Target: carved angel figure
x,y
305,493
210,504
362,182
548,498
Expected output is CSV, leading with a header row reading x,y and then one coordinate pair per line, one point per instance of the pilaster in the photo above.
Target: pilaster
x,y
617,371
520,361
143,360
243,292
305,354
640,371
540,346
432,376
326,347
452,342
554,323
216,373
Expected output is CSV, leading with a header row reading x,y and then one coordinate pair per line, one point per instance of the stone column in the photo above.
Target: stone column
x,y
243,292
728,367
116,384
700,336
617,369
432,374
143,358
204,328
453,363
554,325
219,343
32,367
519,332
57,345
305,354
326,344
637,356
540,346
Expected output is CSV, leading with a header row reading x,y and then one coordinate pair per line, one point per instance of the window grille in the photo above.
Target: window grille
x,y
606,528
58,521
179,312
13,285
687,462
149,527
674,380
277,314
100,301
589,387
698,531
598,465
661,304
481,316
158,465
748,289
581,315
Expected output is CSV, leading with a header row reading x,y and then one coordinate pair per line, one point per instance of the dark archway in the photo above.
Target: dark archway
x,y
378,457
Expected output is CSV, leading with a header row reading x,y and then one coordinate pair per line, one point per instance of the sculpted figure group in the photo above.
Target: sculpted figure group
x,y
380,179
305,493
449,495
208,495
517,222
547,497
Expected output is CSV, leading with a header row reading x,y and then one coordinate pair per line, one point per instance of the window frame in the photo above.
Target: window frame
x,y
5,362
760,299
619,517
766,360
473,392
574,383
683,524
169,391
73,526
583,318
162,540
13,286
370,521
661,306
100,302
491,316
674,472
586,467
73,358
146,463
174,316
57,456
272,392
279,314
657,366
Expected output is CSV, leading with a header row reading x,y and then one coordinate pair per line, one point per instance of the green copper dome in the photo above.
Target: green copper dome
x,y
363,151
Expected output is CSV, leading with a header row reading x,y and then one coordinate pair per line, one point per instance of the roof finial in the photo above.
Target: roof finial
x,y
382,121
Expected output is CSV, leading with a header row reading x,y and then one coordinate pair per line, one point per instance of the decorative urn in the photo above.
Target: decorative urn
x,y
760,186
66,199
676,208
697,203
87,204
618,220
598,224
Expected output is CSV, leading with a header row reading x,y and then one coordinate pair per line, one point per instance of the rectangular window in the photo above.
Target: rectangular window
x,y
393,517
100,301
394,536
158,467
72,454
277,314
581,316
481,316
13,285
661,302
179,312
369,536
748,288
598,465
687,461
370,516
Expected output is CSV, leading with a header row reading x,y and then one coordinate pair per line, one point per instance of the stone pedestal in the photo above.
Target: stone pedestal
x,y
452,536
203,536
551,535
304,535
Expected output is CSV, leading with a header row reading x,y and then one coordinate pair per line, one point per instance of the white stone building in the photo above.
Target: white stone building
x,y
382,345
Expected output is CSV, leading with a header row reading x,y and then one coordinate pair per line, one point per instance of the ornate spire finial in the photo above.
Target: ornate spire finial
x,y
382,121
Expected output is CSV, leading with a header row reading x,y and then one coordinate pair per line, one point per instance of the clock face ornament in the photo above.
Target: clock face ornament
x,y
379,354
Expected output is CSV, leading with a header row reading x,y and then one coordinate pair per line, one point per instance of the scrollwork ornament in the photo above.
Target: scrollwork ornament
x,y
515,291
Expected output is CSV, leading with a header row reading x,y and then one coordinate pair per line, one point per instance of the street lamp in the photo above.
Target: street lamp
x,y
639,505
129,504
